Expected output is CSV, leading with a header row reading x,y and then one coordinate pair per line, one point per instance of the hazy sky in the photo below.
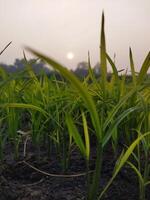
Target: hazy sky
x,y
56,27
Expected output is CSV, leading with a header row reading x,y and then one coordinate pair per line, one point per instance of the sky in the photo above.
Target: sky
x,y
67,29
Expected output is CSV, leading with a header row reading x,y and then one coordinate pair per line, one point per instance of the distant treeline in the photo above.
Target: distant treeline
x,y
38,66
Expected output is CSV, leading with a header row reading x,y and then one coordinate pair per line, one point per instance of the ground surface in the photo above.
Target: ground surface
x,y
19,180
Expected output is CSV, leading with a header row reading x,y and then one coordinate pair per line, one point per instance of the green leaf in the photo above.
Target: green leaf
x,y
132,67
124,160
86,135
114,68
137,172
90,71
75,134
5,47
22,105
144,69
103,56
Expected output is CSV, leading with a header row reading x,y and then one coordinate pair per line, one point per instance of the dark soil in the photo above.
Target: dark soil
x,y
19,180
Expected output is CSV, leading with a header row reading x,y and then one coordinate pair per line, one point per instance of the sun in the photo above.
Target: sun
x,y
70,55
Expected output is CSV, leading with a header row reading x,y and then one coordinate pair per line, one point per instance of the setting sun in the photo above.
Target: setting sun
x,y
70,55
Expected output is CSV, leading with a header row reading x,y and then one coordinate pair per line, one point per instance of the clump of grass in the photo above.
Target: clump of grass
x,y
65,113
106,122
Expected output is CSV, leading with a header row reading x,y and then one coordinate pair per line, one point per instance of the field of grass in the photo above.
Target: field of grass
x,y
63,115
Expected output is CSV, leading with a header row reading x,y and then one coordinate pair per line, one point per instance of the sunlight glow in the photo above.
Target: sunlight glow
x,y
70,55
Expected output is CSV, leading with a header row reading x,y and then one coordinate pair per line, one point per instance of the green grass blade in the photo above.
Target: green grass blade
x,y
132,67
144,69
75,134
86,136
5,47
103,56
22,105
114,68
24,56
147,183
136,171
90,71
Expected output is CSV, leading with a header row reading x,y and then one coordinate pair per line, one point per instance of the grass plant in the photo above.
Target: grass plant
x,y
106,122
69,112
